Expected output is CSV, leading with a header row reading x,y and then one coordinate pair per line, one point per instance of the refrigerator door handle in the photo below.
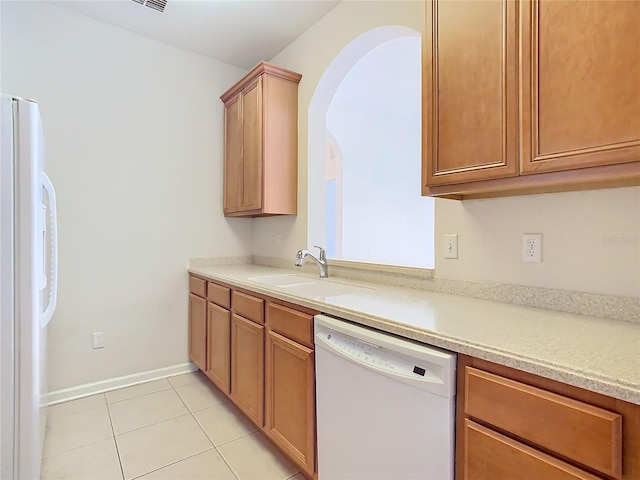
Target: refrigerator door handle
x,y
53,241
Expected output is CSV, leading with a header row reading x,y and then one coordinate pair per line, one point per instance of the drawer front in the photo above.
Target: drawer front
x,y
198,286
219,295
578,431
290,323
248,306
490,455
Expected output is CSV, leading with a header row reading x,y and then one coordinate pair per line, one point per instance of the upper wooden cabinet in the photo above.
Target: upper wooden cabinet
x,y
530,96
580,84
261,143
470,91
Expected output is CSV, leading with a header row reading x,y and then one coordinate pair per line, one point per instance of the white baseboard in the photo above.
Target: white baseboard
x,y
94,388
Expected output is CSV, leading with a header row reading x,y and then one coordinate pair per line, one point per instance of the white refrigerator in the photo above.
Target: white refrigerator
x,y
28,286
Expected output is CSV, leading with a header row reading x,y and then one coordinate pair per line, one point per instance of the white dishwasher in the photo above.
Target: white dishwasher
x,y
385,405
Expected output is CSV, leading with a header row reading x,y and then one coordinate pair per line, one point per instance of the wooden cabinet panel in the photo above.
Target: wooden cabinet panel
x,y
492,456
219,347
233,155
589,435
470,91
247,367
530,96
261,139
580,84
290,398
280,114
252,137
248,306
197,286
291,323
219,295
198,331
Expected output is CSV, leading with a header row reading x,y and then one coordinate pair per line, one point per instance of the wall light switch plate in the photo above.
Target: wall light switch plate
x,y
98,340
451,246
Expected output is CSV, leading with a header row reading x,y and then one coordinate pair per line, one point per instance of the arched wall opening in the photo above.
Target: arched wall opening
x,y
364,154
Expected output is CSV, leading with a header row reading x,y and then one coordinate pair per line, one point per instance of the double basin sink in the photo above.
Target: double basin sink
x,y
311,287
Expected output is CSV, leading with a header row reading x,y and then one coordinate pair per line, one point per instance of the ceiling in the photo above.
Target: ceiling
x,y
237,32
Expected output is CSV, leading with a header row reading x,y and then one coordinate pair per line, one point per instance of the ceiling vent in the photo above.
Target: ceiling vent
x,y
155,4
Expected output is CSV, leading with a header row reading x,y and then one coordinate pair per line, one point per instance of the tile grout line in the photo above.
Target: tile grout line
x,y
136,396
115,442
233,472
172,463
189,412
68,414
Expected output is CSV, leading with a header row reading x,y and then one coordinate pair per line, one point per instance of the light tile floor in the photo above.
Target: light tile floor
x,y
180,427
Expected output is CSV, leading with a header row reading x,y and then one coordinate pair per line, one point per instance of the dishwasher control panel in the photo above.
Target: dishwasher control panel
x,y
377,357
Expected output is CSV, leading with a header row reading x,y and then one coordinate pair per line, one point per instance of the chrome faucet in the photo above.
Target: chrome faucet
x,y
321,262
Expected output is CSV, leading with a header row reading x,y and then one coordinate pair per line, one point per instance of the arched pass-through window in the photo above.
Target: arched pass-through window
x,y
365,154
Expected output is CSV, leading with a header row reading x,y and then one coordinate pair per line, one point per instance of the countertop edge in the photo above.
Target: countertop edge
x,y
571,376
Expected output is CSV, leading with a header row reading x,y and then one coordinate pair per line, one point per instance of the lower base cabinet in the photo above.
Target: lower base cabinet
x,y
514,425
247,367
510,424
219,347
198,331
491,455
259,352
290,398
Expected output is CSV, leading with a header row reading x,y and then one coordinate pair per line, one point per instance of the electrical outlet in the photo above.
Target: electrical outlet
x,y
278,239
451,246
532,247
98,340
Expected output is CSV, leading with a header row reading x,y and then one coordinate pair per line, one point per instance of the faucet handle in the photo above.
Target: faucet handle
x,y
323,253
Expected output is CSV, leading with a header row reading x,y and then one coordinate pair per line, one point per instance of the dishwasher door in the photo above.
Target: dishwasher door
x,y
385,406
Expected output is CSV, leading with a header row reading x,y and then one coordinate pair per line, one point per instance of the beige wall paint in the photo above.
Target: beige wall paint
x,y
133,132
576,253
591,240
310,54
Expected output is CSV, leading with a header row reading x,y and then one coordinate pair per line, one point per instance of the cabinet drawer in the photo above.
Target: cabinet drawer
x,y
219,295
578,431
198,286
292,324
490,455
248,306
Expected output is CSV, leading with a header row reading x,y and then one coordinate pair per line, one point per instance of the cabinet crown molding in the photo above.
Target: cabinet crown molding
x,y
259,69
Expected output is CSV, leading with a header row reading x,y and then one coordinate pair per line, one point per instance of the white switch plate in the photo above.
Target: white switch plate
x,y
98,340
451,246
532,247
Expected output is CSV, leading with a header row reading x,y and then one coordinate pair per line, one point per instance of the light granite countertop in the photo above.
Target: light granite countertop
x,y
593,353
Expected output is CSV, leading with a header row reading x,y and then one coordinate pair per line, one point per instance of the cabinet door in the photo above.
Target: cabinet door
x,y
252,135
219,343
580,84
470,91
233,155
490,455
247,367
290,399
198,331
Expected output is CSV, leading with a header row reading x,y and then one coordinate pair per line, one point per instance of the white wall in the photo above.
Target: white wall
x,y
376,121
575,225
133,133
311,54
590,242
